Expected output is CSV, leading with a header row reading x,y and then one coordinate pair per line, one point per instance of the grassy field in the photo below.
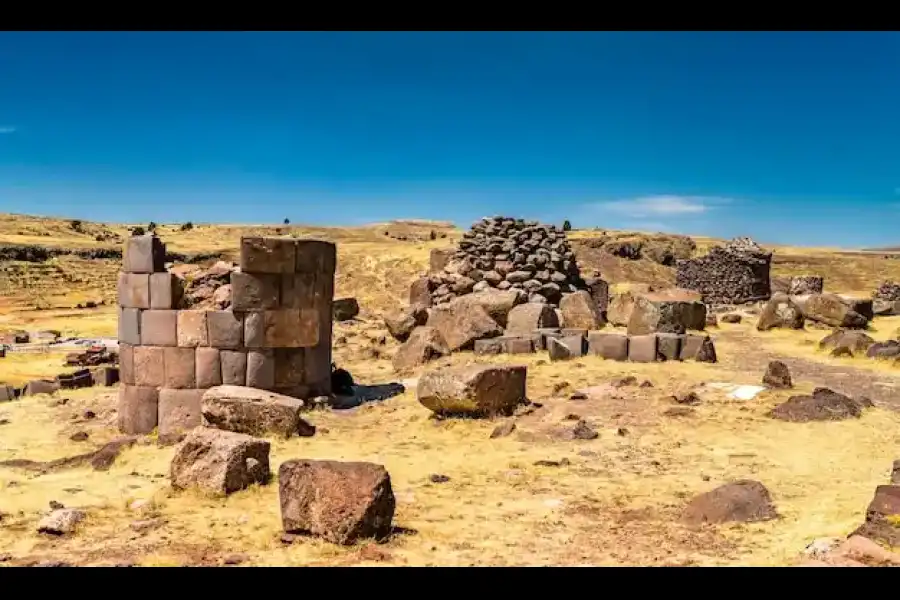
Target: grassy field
x,y
617,501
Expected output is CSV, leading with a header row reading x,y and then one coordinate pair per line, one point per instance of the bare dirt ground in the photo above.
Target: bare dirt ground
x,y
533,497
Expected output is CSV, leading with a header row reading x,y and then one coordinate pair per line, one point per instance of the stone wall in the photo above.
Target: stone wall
x,y
735,273
275,336
507,253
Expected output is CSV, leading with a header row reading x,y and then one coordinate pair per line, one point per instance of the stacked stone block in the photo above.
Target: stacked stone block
x,y
276,335
562,344
736,273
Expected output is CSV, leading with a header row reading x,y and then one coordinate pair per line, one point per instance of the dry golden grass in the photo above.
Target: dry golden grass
x,y
617,502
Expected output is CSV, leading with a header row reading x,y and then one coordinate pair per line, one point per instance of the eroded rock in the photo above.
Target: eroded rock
x,y
219,461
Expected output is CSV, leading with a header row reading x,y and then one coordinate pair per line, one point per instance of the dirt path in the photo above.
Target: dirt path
x,y
884,390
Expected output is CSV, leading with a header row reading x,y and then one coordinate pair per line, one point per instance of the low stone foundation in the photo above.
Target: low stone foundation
x,y
568,343
276,336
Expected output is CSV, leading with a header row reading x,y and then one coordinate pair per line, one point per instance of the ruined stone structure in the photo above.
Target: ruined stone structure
x,y
507,253
736,273
275,336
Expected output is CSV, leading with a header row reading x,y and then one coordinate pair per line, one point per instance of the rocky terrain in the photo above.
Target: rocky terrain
x,y
661,428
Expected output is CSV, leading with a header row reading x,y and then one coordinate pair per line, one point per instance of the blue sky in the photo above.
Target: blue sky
x,y
787,137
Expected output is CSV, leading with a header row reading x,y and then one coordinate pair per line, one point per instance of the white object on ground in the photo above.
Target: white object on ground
x,y
738,392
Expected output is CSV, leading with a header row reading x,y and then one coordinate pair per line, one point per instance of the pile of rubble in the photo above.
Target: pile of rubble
x,y
889,291
509,254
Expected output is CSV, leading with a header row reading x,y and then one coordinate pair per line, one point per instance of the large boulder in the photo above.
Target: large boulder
x,y
218,461
836,311
423,345
461,323
823,405
475,391
526,318
496,303
620,307
743,501
400,322
847,341
780,312
340,502
580,311
253,412
666,312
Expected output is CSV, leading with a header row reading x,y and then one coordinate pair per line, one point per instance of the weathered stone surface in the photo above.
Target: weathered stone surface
x,y
133,290
40,386
642,348
599,291
159,327
886,503
806,284
461,323
144,254
476,391
620,308
837,311
219,461
208,367
316,256
743,501
179,366
261,369
291,328
529,317
780,312
253,412
823,405
732,318
192,328
438,259
579,310
490,346
234,367
668,346
105,376
344,309
300,290
166,291
225,329
420,293
884,350
610,346
318,369
254,291
62,521
179,412
886,308
126,363
401,322
777,376
565,347
735,273
666,313
7,393
853,342
130,326
255,329
341,502
268,255
290,367
137,410
496,303
519,344
149,366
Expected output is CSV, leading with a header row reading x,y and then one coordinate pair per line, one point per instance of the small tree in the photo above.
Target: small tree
x,y
567,226
187,226
138,231
287,221
152,226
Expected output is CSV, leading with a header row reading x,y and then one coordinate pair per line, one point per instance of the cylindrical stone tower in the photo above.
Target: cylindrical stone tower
x,y
276,335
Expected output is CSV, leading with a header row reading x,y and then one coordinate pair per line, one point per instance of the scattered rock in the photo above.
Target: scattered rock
x,y
626,381
823,405
79,436
851,341
344,309
503,430
679,411
423,345
552,463
340,502
253,412
672,311
461,323
780,312
837,311
884,350
235,559
583,431
777,376
401,322
61,521
219,461
732,318
437,478
474,391
688,399
743,501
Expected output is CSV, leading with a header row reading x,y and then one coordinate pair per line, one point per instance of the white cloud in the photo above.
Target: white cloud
x,y
7,130
660,206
